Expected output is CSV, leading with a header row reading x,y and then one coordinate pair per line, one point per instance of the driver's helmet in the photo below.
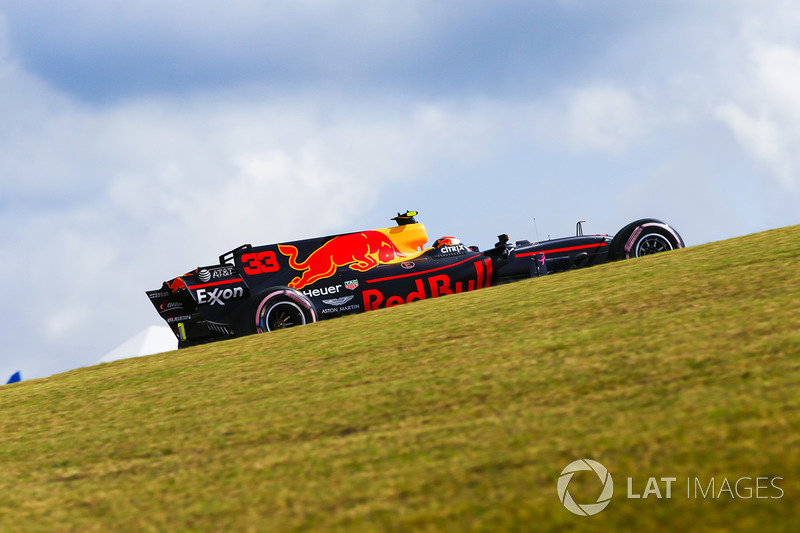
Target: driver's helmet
x,y
446,241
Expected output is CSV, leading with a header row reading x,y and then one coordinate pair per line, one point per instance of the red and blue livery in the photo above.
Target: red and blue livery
x,y
255,289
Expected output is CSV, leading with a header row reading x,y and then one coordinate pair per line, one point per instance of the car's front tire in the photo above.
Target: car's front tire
x,y
644,237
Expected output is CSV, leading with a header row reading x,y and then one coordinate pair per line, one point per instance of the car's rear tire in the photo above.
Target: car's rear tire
x,y
282,308
644,237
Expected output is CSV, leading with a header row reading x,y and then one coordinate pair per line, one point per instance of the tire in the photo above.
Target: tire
x,y
283,308
644,237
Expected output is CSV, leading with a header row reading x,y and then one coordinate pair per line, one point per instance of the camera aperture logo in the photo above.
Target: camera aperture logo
x,y
586,509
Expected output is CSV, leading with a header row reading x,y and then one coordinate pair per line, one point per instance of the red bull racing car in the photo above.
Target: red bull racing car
x,y
254,289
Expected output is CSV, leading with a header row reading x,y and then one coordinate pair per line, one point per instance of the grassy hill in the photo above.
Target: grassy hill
x,y
455,414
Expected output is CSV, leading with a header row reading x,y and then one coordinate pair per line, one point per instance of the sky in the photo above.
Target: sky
x,y
142,139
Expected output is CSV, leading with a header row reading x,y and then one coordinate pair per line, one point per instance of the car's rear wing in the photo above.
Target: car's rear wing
x,y
196,305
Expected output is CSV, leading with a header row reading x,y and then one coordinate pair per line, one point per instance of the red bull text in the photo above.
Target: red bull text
x,y
428,287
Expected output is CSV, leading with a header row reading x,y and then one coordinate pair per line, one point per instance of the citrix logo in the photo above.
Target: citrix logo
x,y
587,509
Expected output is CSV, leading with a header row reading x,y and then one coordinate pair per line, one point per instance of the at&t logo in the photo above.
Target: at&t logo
x,y
587,509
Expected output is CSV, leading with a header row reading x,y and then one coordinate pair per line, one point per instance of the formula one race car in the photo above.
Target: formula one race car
x,y
254,289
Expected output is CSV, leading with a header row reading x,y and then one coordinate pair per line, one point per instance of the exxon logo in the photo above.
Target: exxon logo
x,y
216,296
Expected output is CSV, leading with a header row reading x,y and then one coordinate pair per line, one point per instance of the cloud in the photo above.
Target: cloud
x,y
599,118
105,52
765,118
762,137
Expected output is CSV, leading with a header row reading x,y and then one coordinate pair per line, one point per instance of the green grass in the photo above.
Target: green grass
x,y
454,414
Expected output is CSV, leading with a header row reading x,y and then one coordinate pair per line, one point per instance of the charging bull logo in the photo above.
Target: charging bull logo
x,y
360,251
175,285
